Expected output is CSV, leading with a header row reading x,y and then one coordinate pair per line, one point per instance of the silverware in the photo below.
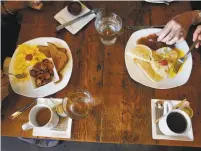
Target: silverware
x,y
159,113
180,61
19,112
76,19
18,76
145,26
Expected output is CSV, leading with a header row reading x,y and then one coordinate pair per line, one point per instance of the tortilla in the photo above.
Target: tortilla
x,y
147,68
59,57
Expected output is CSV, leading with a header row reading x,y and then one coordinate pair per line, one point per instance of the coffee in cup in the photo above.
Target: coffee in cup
x,y
174,121
41,116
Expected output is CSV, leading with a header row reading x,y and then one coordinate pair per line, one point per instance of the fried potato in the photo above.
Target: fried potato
x,y
59,57
45,50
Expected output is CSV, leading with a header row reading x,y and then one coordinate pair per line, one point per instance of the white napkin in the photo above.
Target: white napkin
x,y
62,130
64,16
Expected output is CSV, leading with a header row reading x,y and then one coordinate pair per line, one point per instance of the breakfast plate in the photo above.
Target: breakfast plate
x,y
139,76
25,87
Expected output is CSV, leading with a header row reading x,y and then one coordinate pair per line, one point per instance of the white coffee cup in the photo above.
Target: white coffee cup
x,y
163,125
54,119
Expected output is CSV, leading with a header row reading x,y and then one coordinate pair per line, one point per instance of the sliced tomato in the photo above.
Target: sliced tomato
x,y
163,62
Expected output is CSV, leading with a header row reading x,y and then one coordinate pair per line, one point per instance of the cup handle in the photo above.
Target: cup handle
x,y
27,126
167,107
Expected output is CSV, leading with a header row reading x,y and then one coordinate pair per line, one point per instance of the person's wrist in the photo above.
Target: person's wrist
x,y
196,17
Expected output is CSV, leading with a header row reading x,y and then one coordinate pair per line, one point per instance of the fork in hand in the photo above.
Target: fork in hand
x,y
180,61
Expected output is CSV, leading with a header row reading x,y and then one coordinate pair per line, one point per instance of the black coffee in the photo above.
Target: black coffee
x,y
176,122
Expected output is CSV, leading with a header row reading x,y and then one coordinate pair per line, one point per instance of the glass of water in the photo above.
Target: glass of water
x,y
108,26
77,105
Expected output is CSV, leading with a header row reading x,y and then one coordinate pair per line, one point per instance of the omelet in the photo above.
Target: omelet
x,y
26,56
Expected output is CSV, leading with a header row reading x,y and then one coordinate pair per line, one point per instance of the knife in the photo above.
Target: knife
x,y
145,26
19,112
75,20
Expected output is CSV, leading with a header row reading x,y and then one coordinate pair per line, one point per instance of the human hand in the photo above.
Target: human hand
x,y
176,29
197,35
35,4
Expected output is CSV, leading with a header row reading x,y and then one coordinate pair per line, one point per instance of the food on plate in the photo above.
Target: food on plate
x,y
148,71
42,72
156,59
59,57
45,50
141,52
74,8
25,57
152,43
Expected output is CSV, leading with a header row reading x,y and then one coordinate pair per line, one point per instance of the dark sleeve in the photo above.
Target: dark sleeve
x,y
10,27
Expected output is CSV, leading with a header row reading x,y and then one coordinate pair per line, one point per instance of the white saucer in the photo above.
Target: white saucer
x,y
157,134
62,130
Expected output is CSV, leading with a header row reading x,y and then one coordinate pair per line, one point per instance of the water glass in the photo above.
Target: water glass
x,y
108,27
77,105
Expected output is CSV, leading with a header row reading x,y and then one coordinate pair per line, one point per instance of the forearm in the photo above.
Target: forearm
x,y
12,6
196,17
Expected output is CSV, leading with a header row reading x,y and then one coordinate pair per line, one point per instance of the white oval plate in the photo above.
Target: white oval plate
x,y
26,88
137,74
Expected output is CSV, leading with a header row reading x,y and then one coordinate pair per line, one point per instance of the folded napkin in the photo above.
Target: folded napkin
x,y
64,16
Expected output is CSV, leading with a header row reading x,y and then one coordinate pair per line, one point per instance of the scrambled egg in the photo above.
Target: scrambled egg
x,y
26,56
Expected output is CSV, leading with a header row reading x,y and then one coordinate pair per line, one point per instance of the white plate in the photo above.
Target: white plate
x,y
138,75
26,88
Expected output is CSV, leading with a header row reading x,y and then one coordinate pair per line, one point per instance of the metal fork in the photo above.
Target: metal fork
x,y
180,61
18,76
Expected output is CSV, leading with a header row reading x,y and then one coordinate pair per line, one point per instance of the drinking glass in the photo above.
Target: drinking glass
x,y
108,27
77,105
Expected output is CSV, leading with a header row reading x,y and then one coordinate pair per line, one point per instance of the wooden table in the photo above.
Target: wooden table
x,y
122,113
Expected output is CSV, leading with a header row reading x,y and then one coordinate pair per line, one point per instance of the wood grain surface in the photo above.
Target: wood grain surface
x,y
122,113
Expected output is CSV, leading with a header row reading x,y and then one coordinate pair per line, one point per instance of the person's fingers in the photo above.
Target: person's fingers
x,y
169,36
36,5
164,32
199,43
196,33
173,40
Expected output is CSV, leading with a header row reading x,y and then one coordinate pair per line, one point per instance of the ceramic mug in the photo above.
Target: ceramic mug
x,y
54,119
180,121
